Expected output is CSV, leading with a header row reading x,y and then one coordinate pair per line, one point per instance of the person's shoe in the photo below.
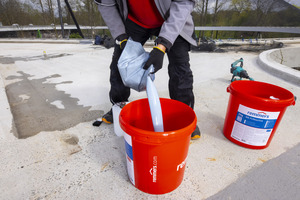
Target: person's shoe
x,y
196,134
108,117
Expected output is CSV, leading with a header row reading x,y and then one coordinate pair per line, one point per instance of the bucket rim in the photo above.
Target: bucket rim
x,y
267,101
131,130
157,135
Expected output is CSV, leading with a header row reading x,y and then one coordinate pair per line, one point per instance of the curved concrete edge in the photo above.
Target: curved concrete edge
x,y
281,71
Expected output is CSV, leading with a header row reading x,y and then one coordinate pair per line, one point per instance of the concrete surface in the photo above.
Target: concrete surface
x,y
280,63
287,56
276,179
58,90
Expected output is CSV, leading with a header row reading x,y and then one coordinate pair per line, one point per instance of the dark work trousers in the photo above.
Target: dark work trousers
x,y
180,74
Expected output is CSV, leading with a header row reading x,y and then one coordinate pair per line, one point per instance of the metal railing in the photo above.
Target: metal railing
x,y
16,27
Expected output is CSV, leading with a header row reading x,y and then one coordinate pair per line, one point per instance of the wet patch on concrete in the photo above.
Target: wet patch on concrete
x,y
31,101
70,142
70,139
45,56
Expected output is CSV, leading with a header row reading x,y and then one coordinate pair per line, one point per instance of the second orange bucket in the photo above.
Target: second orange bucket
x,y
254,112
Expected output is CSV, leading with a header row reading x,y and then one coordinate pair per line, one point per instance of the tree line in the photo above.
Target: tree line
x,y
45,12
206,13
245,13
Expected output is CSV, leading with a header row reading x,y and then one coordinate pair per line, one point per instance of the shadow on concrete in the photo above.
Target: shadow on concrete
x,y
266,181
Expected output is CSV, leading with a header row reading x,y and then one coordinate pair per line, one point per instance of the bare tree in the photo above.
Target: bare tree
x,y
46,9
43,11
263,8
202,8
217,7
12,12
205,12
50,10
240,5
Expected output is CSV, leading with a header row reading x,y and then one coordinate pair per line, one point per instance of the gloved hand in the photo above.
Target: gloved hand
x,y
122,40
156,58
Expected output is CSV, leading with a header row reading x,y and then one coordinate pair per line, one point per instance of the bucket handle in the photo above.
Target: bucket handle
x,y
294,102
228,89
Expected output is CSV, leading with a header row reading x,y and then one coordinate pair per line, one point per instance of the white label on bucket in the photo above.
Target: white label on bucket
x,y
129,157
253,127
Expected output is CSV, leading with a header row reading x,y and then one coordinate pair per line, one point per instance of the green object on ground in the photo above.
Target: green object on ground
x,y
239,71
39,35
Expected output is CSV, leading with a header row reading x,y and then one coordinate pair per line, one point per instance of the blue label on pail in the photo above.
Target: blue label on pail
x,y
128,150
129,157
252,126
263,122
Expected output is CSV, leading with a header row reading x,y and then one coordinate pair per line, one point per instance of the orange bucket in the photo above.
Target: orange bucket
x,y
156,160
254,112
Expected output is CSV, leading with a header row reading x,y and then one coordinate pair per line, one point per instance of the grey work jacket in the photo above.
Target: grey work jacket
x,y
176,13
